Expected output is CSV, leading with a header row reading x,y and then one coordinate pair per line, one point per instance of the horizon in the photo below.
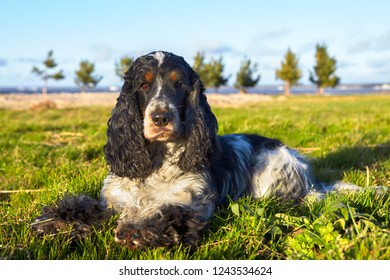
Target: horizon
x,y
273,90
356,33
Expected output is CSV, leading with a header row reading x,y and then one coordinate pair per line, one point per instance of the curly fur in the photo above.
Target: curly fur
x,y
201,124
75,215
126,151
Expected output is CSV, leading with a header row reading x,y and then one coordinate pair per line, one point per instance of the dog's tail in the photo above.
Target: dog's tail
x,y
322,189
73,215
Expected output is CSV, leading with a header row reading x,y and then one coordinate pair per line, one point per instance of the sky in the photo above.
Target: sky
x,y
357,34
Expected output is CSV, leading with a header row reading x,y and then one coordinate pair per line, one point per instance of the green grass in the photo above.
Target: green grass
x,y
54,152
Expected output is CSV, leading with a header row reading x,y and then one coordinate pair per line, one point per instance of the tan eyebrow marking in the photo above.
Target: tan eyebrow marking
x,y
173,76
149,76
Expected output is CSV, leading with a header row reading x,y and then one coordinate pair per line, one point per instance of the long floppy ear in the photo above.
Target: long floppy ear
x,y
201,143
126,151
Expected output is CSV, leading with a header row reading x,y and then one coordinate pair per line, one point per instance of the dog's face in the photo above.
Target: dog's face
x,y
163,83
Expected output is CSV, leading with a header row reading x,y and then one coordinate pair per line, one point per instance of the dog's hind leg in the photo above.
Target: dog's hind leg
x,y
280,172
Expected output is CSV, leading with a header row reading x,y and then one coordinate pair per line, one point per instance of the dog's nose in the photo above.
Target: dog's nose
x,y
161,118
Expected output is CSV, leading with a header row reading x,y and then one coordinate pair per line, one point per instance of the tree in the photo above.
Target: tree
x,y
210,73
214,72
324,70
244,79
198,62
84,78
289,71
122,66
46,73
199,67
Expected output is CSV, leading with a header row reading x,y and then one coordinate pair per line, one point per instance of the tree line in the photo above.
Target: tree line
x,y
84,76
211,73
322,75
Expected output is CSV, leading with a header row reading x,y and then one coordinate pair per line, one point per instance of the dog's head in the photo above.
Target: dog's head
x,y
163,82
162,100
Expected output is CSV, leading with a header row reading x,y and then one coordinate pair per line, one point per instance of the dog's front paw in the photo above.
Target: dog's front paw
x,y
137,238
130,237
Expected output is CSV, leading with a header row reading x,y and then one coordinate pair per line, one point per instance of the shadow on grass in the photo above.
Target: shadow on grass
x,y
333,166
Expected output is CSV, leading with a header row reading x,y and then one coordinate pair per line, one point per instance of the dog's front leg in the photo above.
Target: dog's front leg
x,y
162,215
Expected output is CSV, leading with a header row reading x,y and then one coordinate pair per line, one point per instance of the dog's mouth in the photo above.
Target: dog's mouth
x,y
160,134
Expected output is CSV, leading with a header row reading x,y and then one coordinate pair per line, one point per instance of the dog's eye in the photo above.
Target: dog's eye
x,y
178,84
144,86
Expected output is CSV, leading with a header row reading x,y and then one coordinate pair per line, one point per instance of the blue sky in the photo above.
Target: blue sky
x,y
356,32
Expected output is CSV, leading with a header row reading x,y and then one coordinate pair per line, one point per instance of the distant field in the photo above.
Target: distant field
x,y
47,153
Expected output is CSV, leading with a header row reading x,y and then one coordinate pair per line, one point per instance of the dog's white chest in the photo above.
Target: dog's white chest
x,y
167,186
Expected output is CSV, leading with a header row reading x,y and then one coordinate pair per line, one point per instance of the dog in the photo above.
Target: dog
x,y
169,169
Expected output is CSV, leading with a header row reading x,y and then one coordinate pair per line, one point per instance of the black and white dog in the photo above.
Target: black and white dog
x,y
170,169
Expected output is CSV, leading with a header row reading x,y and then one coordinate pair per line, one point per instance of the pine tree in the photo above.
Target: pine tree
x,y
324,70
84,76
198,62
244,79
122,66
210,73
46,74
214,72
289,71
199,67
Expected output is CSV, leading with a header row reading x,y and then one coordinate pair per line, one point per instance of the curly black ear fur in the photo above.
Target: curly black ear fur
x,y
201,143
126,151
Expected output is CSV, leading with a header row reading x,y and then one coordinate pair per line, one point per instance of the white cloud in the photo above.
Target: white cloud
x,y
382,62
29,60
383,42
213,48
102,52
360,47
368,43
274,34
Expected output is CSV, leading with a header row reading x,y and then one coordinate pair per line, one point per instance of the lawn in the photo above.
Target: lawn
x,y
49,153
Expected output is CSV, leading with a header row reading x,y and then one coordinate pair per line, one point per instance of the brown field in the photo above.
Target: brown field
x,y
69,100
